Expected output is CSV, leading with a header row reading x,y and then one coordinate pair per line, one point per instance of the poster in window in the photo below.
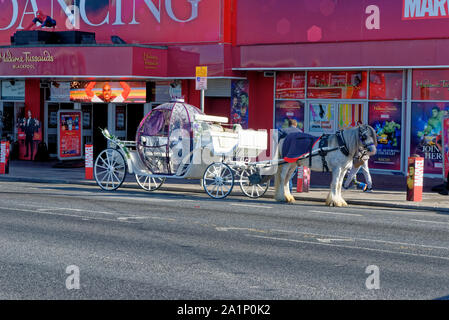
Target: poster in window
x,y
239,102
289,110
321,117
350,115
430,84
69,134
120,114
87,119
446,147
385,118
290,85
337,85
426,133
385,85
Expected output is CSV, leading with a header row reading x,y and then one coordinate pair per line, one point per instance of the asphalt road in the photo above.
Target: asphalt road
x,y
132,244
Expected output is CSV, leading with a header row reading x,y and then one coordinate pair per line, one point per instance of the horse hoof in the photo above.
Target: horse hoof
x,y
291,199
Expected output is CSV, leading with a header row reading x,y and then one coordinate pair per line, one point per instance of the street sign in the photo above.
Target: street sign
x,y
201,78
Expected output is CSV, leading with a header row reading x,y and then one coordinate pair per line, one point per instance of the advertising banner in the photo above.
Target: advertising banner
x,y
426,133
107,92
290,85
445,149
70,135
321,117
337,85
239,102
285,110
386,119
168,21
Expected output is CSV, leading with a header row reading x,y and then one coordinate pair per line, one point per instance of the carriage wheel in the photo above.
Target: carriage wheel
x,y
110,169
149,183
252,190
218,180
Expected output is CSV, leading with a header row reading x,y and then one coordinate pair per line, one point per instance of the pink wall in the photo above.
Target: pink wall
x,y
289,21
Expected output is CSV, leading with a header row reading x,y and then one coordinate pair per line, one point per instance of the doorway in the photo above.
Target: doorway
x,y
134,116
100,120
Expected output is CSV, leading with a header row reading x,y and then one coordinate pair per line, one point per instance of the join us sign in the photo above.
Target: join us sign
x,y
165,21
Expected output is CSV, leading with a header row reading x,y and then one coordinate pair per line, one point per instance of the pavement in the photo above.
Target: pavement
x,y
389,190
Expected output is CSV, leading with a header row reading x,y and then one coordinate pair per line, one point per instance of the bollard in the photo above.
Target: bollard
x,y
89,161
4,157
303,179
415,176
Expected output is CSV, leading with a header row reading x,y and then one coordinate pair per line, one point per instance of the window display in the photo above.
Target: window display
x,y
385,118
385,85
337,85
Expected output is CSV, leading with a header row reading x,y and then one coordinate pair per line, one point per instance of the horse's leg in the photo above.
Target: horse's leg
x,y
288,195
339,185
279,184
333,199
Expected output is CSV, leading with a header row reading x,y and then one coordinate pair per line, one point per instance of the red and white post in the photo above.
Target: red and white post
x,y
4,157
415,177
303,179
89,161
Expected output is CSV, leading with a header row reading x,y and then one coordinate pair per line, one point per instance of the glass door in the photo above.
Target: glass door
x,y
351,114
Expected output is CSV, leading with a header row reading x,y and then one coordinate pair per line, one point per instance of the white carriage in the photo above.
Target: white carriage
x,y
176,140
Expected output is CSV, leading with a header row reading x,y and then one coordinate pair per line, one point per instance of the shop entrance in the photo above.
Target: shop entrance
x,y
99,120
52,125
127,120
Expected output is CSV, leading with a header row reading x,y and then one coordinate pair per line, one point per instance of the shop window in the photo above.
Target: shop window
x,y
337,84
430,84
426,133
385,85
290,109
386,119
290,85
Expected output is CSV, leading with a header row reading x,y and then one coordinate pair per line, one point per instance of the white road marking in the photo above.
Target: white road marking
x,y
427,221
331,240
251,205
142,218
236,228
349,247
37,211
363,239
77,210
337,213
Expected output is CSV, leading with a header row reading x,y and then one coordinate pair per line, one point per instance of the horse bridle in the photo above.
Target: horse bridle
x,y
363,135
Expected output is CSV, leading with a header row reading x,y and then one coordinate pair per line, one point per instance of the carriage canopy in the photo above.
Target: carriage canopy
x,y
165,137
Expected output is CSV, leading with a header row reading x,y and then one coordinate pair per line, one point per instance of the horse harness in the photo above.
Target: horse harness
x,y
324,142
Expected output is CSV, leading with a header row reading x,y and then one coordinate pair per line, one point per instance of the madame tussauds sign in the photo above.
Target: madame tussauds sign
x,y
163,20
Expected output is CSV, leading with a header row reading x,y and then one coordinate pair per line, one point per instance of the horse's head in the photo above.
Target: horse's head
x,y
368,139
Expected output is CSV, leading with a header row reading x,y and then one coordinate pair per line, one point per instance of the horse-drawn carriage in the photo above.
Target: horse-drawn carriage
x,y
176,140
